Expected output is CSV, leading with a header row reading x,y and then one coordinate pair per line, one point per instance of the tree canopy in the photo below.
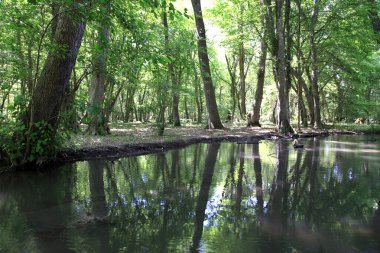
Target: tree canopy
x,y
69,63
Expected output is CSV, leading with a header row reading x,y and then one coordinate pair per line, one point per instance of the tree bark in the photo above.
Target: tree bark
x,y
255,119
174,79
97,124
231,67
198,97
314,65
242,80
283,123
308,95
50,88
208,86
276,34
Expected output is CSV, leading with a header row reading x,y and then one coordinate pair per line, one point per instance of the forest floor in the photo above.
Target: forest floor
x,y
137,138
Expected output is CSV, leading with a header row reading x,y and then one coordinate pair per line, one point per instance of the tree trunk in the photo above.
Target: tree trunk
x,y
97,124
276,34
186,109
308,95
198,97
174,80
314,65
50,88
231,67
283,124
204,63
255,119
242,80
55,13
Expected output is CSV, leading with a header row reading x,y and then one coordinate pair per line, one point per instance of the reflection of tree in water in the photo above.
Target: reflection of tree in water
x,y
40,205
258,180
100,240
277,204
158,203
150,200
208,172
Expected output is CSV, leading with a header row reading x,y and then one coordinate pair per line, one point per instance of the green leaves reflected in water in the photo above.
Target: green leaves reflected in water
x,y
225,197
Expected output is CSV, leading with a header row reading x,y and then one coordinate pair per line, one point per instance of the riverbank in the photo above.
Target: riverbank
x,y
140,139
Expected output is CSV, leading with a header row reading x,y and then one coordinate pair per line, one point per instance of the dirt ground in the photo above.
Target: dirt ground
x,y
137,139
138,133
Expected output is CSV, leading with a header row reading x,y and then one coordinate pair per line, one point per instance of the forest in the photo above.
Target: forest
x,y
70,67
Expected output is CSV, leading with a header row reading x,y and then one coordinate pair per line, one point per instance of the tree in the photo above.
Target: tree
x,y
97,124
212,108
256,108
50,88
276,35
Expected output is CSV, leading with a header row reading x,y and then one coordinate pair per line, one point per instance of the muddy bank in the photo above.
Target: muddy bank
x,y
117,150
143,148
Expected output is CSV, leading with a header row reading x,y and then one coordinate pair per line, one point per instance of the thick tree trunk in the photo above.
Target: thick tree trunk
x,y
50,88
279,192
97,124
208,86
314,65
276,34
283,123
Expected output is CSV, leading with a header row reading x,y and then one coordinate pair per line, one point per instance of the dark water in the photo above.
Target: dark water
x,y
226,197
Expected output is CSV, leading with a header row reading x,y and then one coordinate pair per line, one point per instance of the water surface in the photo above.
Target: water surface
x,y
265,197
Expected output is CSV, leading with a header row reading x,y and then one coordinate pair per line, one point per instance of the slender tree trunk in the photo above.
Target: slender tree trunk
x,y
242,80
255,119
186,109
314,65
308,95
97,124
30,67
288,43
211,156
174,79
231,67
175,109
50,88
198,97
204,63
